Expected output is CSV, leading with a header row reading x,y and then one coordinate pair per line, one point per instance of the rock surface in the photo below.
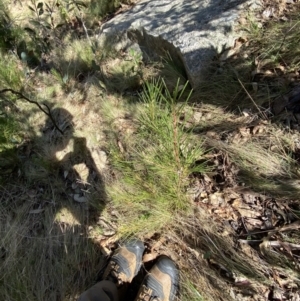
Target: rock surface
x,y
192,31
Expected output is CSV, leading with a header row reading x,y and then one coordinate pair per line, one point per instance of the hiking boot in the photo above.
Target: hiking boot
x,y
161,282
125,263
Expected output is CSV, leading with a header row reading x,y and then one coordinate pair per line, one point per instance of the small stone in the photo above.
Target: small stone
x,y
203,195
216,199
198,116
211,134
115,213
268,13
74,185
100,158
78,198
243,21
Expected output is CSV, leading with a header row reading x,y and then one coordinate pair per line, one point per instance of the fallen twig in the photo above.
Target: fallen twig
x,y
271,243
292,226
249,242
280,244
263,115
47,111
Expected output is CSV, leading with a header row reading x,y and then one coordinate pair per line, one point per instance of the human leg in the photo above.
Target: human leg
x,y
104,290
122,268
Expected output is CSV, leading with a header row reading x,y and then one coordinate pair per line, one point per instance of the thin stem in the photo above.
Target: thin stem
x,y
263,115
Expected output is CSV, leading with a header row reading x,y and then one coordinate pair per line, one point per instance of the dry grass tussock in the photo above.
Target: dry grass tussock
x,y
43,255
147,158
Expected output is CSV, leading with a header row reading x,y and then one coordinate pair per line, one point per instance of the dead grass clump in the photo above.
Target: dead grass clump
x,y
265,161
120,75
264,61
74,59
105,8
42,257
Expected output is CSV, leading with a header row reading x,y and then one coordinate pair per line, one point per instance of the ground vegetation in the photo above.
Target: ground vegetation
x,y
98,145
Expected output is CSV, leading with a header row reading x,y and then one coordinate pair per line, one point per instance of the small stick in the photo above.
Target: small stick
x,y
259,110
47,112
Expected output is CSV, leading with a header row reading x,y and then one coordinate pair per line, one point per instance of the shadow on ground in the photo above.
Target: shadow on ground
x,y
48,214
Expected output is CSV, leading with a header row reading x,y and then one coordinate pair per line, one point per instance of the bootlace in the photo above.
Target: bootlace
x,y
146,295
113,274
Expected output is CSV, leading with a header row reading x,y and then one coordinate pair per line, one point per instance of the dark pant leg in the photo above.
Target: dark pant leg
x,y
102,291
